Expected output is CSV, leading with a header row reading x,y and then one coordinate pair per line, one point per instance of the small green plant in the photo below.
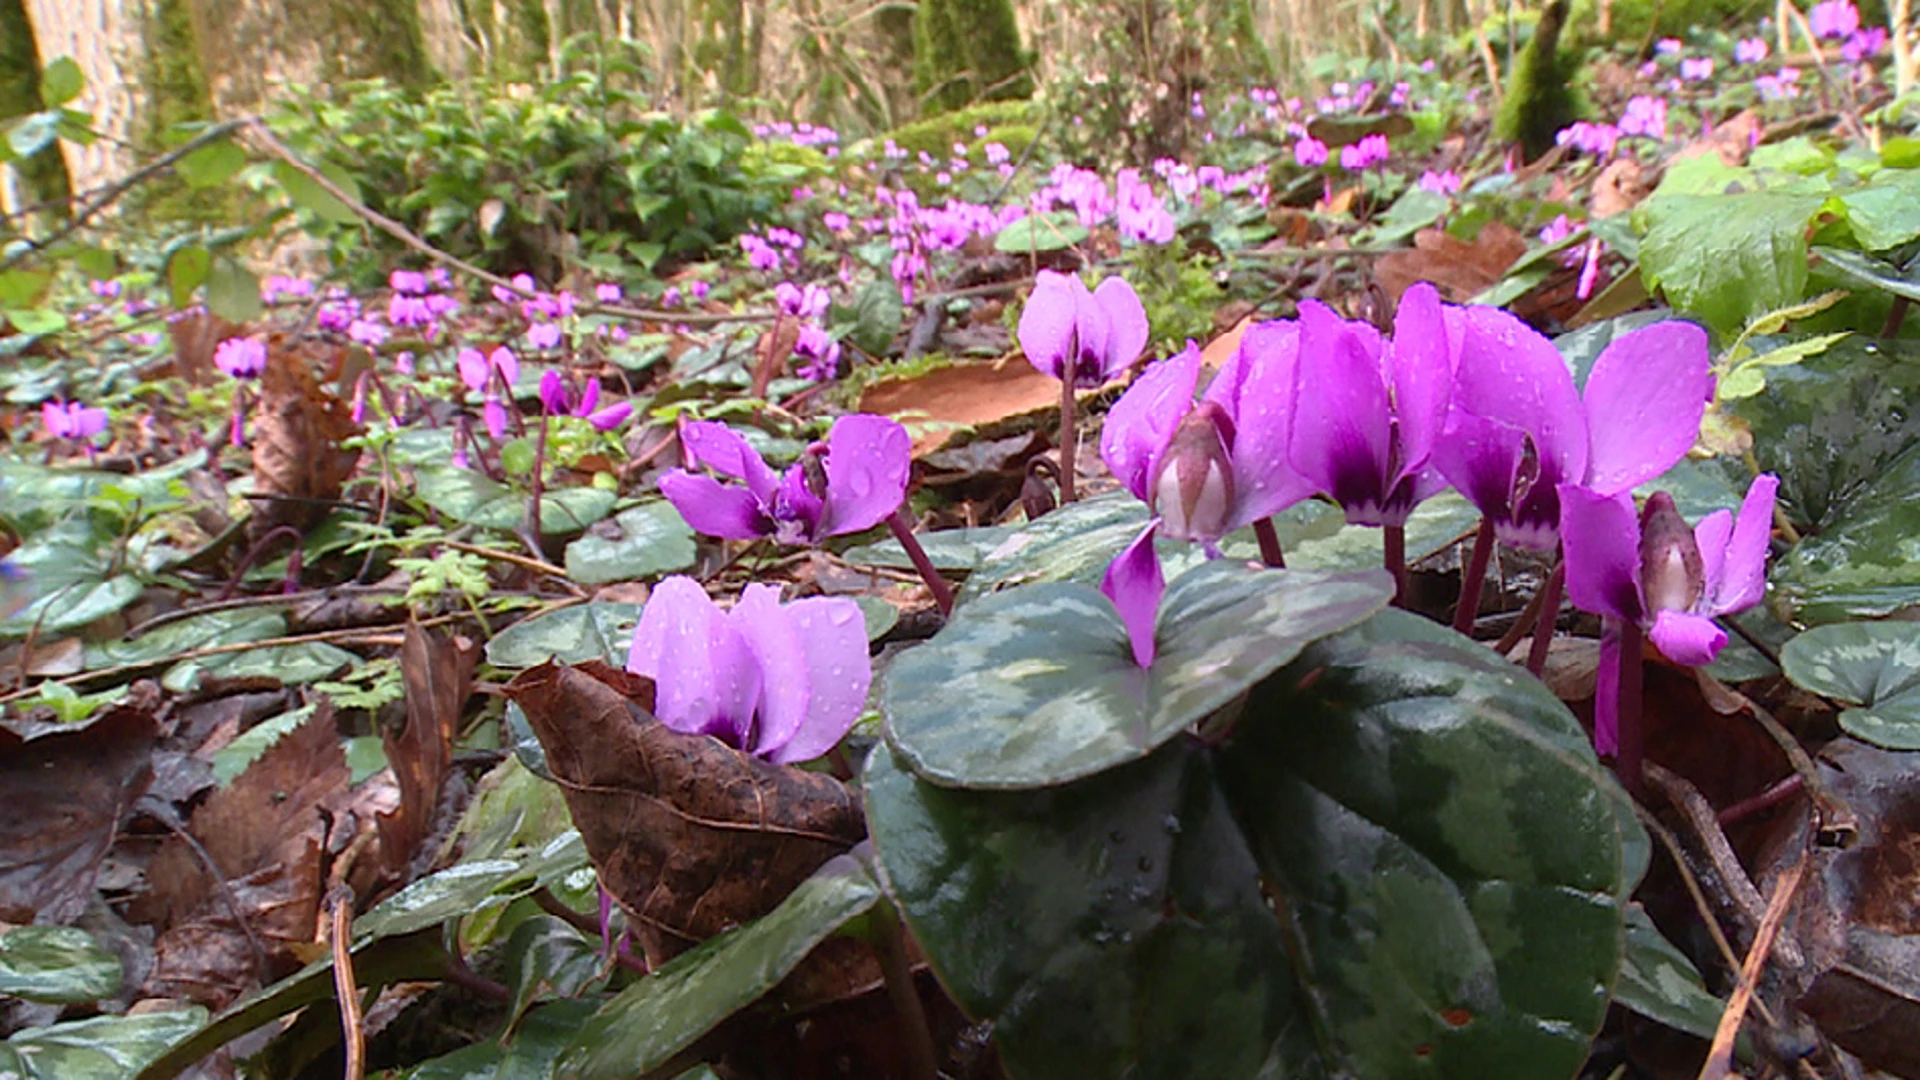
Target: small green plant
x,y
579,167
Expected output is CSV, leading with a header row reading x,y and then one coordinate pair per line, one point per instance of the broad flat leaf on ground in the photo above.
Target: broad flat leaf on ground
x,y
1872,667
1442,852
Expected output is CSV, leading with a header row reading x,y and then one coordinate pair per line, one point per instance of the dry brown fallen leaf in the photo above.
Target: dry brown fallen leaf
x,y
938,404
689,835
298,462
68,792
1460,269
438,673
266,833
1620,187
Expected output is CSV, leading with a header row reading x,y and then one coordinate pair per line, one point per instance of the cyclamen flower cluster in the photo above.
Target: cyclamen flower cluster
x,y
814,344
1834,19
771,251
1139,213
1440,183
72,420
1750,50
1365,154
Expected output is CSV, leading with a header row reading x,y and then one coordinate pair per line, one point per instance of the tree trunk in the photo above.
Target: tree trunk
x,y
244,44
966,50
107,40
42,179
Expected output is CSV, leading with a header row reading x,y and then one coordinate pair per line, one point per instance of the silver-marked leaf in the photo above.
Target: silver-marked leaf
x,y
1660,983
1038,685
574,634
470,497
665,1012
645,541
1402,861
58,964
1874,667
102,1048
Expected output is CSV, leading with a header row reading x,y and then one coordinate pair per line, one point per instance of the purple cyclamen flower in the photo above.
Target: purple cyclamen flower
x,y
242,358
1834,18
1094,334
543,335
1440,183
1750,50
670,297
1696,68
1645,115
848,484
1651,570
1378,407
477,368
821,352
1135,584
1212,466
608,292
1518,429
1668,46
1309,152
558,400
1863,44
71,420
407,282
783,682
807,303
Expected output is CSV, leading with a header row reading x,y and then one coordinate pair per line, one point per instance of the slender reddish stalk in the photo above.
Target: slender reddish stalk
x,y
1629,761
1549,616
903,532
1069,434
1394,541
1472,576
1270,552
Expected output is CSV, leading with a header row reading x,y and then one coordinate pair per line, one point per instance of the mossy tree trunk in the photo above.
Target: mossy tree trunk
x,y
967,50
107,39
42,179
244,44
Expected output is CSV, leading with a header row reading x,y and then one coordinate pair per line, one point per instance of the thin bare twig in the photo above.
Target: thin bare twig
x,y
1719,1064
340,907
1704,824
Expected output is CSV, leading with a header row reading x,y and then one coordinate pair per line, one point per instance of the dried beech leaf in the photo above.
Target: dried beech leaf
x,y
67,793
1461,270
689,835
439,677
297,429
266,832
940,403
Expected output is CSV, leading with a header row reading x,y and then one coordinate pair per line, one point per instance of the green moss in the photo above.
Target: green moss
x,y
1007,121
1540,98
968,50
1638,22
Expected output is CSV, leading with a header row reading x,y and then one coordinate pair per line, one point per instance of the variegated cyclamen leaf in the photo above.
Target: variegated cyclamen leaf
x,y
1874,667
1037,685
1400,860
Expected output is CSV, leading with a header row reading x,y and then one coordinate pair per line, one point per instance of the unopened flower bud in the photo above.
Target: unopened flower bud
x,y
1671,573
1193,489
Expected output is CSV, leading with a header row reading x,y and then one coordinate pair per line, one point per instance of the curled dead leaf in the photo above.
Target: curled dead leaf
x,y
299,466
1460,269
689,835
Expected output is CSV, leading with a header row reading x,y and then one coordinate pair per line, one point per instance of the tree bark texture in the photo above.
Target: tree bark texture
x,y
42,178
107,39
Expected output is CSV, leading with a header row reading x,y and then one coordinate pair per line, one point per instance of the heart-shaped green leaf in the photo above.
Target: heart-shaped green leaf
x,y
102,1048
1403,861
647,540
1874,667
470,497
1038,685
58,964
1660,983
662,1014
574,634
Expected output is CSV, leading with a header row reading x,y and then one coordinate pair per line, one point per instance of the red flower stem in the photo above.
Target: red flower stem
x,y
258,549
1270,552
1629,761
1472,576
1394,541
1549,616
533,504
1786,789
1069,434
903,532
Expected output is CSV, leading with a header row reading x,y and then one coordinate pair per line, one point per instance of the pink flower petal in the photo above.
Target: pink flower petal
x,y
834,636
1256,387
1047,323
777,651
1686,638
1600,541
1420,364
1134,583
1126,321
1342,439
1741,580
714,445
869,459
713,508
1644,401
705,679
1139,425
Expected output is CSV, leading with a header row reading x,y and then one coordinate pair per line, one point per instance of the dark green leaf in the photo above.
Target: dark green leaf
x,y
212,164
61,82
665,1012
1726,258
1660,983
196,632
548,958
1873,667
290,665
649,540
186,272
1040,232
233,293
1440,847
58,964
1037,685
308,195
475,499
73,606
103,1048
1885,212
1875,272
594,631
470,888
537,1041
